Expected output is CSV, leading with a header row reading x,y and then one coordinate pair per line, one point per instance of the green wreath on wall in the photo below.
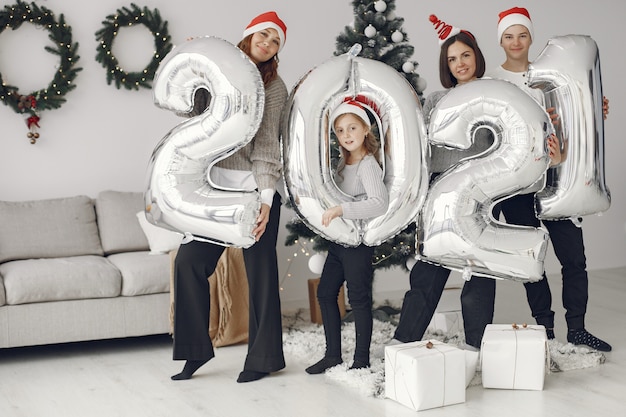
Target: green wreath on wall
x,y
53,96
128,17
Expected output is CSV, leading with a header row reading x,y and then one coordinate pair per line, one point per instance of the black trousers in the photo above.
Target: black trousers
x,y
194,263
427,283
567,241
354,266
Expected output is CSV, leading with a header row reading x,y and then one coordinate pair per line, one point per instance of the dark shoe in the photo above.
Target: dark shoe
x,y
550,334
323,365
249,376
583,337
357,364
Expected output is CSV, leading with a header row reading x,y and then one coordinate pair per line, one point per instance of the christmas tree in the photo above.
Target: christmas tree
x,y
379,31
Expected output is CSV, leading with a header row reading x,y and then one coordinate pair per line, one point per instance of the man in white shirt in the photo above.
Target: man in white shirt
x,y
515,35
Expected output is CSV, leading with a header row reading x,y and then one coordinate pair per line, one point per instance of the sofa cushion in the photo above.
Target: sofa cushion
x,y
3,296
58,279
161,240
117,221
143,273
48,229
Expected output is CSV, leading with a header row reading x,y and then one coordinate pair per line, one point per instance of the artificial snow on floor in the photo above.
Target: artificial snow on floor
x,y
304,341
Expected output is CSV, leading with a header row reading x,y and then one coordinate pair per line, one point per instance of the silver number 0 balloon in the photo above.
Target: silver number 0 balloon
x,y
568,72
457,229
306,146
180,194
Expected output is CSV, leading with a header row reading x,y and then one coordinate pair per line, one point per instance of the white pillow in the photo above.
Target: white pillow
x,y
161,240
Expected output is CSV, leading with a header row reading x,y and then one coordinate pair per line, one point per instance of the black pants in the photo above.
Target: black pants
x,y
427,284
354,266
567,241
194,263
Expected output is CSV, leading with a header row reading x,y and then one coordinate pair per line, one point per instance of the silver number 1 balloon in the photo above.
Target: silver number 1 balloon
x,y
568,72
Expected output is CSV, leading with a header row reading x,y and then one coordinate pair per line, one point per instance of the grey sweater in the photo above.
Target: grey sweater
x,y
364,181
262,154
442,158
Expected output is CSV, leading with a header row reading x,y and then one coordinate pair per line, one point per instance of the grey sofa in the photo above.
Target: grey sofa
x,y
75,269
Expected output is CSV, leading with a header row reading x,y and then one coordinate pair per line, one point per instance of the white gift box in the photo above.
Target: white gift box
x,y
425,374
448,322
514,356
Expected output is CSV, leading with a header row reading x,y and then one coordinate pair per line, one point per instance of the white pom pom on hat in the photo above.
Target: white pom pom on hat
x,y
268,20
444,30
350,106
514,16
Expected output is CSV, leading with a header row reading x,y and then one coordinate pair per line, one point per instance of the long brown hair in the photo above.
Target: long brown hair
x,y
371,143
268,69
465,37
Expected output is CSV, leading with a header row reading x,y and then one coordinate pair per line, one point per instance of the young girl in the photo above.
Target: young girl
x,y
360,175
255,166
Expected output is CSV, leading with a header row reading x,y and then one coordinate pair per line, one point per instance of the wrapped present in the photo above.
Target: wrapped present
x,y
450,322
514,356
426,374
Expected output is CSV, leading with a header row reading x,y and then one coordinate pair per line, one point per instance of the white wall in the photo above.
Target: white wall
x,y
103,137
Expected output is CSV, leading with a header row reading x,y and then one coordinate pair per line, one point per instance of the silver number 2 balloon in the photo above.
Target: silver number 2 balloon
x,y
306,146
456,227
180,195
568,72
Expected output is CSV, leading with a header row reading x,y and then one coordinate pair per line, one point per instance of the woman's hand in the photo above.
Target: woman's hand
x,y
605,107
554,117
261,222
330,214
554,150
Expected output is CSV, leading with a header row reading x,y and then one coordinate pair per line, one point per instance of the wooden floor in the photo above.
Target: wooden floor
x,y
130,377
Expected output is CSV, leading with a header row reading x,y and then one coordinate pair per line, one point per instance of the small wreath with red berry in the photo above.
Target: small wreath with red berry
x,y
53,96
105,36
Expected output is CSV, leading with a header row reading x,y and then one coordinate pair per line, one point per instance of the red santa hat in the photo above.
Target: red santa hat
x,y
444,30
514,16
268,20
350,106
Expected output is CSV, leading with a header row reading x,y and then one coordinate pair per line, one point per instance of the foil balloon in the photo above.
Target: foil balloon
x,y
456,228
568,73
306,144
180,195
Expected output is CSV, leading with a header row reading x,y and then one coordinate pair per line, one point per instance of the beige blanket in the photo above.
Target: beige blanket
x,y
228,321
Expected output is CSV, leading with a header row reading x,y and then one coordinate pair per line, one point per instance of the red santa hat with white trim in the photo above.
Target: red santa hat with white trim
x,y
268,20
514,16
444,30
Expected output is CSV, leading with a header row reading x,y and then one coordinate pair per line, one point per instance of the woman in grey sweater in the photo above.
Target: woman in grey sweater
x,y
461,61
360,175
255,166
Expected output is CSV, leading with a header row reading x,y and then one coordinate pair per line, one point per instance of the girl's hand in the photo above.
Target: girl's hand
x,y
261,222
554,150
330,214
605,107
